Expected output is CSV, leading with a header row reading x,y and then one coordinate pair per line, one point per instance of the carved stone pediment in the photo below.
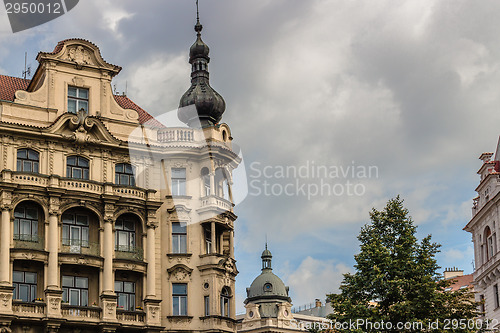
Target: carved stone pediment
x,y
179,213
82,129
180,273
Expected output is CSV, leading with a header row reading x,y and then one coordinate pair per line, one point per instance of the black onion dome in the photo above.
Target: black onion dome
x,y
208,104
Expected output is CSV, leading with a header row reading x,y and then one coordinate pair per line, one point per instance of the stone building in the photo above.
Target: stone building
x,y
484,226
111,220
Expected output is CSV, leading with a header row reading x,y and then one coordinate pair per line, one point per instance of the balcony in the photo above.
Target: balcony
x,y
176,135
218,323
77,246
129,253
87,186
28,309
130,317
87,313
26,241
213,202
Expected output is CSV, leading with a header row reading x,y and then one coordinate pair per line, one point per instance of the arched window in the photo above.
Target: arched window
x,y
125,236
222,184
488,248
206,181
27,160
77,167
124,174
75,230
26,222
225,297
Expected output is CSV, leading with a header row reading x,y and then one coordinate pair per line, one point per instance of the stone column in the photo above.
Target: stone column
x,y
221,243
53,293
108,251
151,259
5,276
212,184
212,238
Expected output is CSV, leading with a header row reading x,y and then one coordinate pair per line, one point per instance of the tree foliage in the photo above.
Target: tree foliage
x,y
396,281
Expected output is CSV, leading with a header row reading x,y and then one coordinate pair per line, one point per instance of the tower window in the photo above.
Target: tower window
x,y
206,301
125,235
179,299
77,167
124,174
78,98
225,297
27,160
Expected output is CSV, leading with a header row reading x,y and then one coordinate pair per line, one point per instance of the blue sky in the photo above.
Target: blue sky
x,y
412,88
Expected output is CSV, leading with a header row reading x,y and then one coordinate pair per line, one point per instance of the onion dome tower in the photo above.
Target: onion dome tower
x,y
267,290
200,105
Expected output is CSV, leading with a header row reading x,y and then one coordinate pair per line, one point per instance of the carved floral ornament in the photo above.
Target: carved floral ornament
x,y
79,54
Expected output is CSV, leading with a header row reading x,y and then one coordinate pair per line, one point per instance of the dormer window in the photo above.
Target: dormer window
x,y
78,98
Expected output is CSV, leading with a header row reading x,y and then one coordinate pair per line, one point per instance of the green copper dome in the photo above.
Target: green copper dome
x,y
267,287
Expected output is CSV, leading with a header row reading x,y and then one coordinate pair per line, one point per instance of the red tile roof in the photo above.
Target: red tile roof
x,y
144,117
461,281
9,85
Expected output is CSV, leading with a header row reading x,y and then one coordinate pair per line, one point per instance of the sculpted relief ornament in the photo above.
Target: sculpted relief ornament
x,y
80,55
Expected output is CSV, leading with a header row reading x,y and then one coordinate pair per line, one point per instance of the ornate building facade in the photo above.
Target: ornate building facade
x,y
111,220
484,226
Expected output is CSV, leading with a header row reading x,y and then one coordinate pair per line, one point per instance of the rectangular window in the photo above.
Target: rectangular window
x,y
208,241
179,237
24,284
178,181
75,290
207,305
179,299
78,98
126,295
28,160
490,247
482,308
495,294
75,230
26,223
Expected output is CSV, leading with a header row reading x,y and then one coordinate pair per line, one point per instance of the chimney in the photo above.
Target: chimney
x,y
318,303
452,273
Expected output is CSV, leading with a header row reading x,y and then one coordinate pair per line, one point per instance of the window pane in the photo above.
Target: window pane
x,y
72,91
71,106
121,300
33,155
83,162
85,297
74,297
82,282
67,281
82,220
118,286
183,244
179,173
16,227
175,305
72,160
25,227
122,241
27,166
22,153
119,168
83,105
129,225
19,165
83,93
124,180
132,302
183,306
32,213
77,173
75,234
179,289
65,294
24,292
85,236
35,166
128,168
179,228
175,244
19,212
18,276
33,292
30,277
182,187
129,287
132,180
86,174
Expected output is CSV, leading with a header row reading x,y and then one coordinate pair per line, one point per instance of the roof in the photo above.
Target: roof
x,y
9,85
460,282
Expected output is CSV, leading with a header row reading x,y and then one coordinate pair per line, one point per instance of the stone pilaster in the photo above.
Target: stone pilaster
x,y
108,307
153,312
5,275
6,299
54,299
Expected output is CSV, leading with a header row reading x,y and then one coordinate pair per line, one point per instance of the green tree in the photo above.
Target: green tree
x,y
396,281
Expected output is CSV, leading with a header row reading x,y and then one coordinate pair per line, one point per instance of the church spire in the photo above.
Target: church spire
x,y
200,105
266,259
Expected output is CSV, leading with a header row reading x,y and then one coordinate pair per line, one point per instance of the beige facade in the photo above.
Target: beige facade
x,y
109,220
